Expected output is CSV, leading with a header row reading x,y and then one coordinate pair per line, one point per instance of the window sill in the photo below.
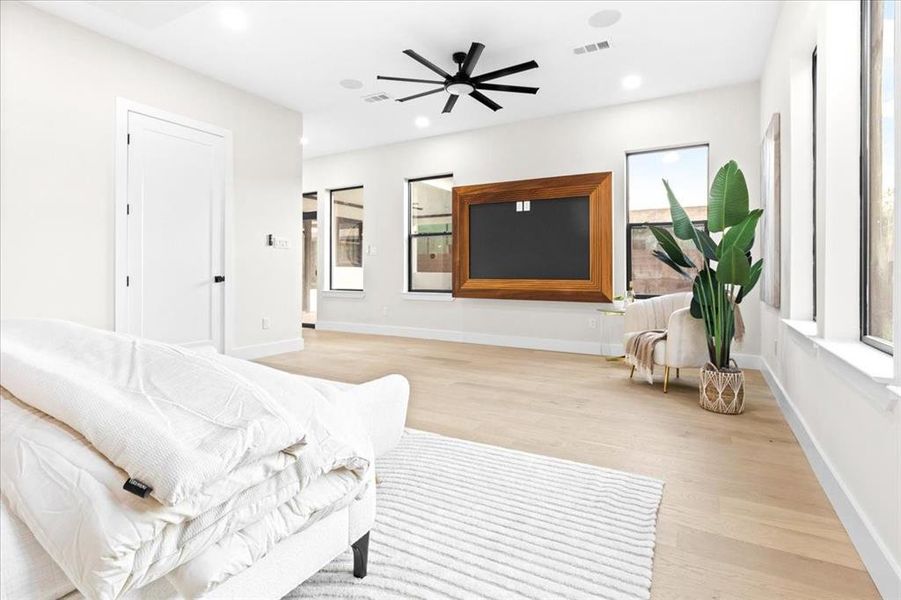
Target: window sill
x,y
343,294
805,328
428,296
873,363
857,359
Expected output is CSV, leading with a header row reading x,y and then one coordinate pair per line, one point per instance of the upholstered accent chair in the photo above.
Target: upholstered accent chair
x,y
685,344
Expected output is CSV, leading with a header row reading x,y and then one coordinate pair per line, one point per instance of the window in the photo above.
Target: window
x,y
813,144
877,174
686,171
310,268
347,239
429,250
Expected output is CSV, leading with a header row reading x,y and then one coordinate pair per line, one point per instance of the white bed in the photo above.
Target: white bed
x,y
27,571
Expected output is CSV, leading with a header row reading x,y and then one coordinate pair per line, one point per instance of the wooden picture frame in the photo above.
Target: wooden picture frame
x,y
597,187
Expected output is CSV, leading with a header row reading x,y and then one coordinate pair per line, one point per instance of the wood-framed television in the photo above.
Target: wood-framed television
x,y
535,239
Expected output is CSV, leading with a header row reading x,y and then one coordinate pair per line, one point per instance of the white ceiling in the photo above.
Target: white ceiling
x,y
295,53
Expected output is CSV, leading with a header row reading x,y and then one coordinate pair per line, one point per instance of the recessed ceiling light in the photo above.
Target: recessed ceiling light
x,y
422,122
304,140
604,18
631,82
233,18
351,84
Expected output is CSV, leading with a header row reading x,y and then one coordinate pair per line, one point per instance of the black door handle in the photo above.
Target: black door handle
x,y
219,279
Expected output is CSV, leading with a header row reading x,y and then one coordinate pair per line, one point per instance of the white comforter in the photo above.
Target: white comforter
x,y
238,455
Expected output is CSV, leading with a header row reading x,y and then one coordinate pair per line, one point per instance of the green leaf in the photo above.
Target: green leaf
x,y
741,236
705,244
753,277
671,246
727,203
695,308
685,229
662,257
733,267
682,225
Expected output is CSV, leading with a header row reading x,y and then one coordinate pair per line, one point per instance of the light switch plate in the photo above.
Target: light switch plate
x,y
279,243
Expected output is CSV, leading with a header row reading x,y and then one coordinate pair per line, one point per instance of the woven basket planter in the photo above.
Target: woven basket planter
x,y
722,390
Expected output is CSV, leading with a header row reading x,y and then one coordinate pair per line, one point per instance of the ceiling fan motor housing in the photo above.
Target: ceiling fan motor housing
x,y
459,85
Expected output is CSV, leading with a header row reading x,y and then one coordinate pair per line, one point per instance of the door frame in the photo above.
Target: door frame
x,y
123,108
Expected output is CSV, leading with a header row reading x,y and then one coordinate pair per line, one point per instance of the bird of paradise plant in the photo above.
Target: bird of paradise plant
x,y
727,273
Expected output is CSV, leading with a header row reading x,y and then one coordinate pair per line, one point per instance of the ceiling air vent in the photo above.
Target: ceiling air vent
x,y
591,48
376,97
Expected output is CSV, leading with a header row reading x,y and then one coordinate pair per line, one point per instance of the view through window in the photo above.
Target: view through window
x,y
430,234
310,268
685,169
347,239
877,172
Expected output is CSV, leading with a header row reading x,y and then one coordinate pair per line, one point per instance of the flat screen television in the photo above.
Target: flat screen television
x,y
543,240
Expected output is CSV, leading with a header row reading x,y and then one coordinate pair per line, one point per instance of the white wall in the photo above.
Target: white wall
x,y
59,88
583,142
831,386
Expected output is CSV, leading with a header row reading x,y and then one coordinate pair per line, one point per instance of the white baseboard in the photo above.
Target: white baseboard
x,y
267,349
886,573
468,337
747,361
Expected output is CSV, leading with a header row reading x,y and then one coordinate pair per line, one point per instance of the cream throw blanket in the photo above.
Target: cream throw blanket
x,y
640,351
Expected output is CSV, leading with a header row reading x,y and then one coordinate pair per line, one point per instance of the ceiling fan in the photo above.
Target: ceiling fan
x,y
463,83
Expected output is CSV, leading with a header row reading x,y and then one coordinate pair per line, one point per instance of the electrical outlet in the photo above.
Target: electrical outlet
x,y
266,323
384,311
592,323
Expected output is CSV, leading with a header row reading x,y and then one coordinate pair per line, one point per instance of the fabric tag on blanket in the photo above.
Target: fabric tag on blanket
x,y
138,488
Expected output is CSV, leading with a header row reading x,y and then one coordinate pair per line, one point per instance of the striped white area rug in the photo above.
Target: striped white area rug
x,y
460,520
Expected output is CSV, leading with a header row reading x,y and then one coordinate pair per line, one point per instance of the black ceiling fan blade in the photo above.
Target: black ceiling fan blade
x,y
435,81
426,63
486,101
449,105
420,95
507,71
496,87
472,57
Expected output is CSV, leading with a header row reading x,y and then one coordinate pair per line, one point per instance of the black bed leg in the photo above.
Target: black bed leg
x,y
361,555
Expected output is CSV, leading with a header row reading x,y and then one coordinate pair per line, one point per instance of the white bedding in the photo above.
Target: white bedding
x,y
253,490
26,571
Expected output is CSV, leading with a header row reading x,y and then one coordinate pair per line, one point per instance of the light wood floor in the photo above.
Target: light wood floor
x,y
742,517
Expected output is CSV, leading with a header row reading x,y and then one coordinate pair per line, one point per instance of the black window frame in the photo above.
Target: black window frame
x,y
813,145
412,236
630,225
331,243
870,340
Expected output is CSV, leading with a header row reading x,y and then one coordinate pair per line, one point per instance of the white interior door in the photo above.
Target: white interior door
x,y
175,229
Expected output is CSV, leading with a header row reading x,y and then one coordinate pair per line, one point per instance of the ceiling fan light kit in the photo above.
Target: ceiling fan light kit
x,y
463,83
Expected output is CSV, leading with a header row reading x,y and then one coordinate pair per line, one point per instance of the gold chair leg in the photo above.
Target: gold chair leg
x,y
632,372
665,378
